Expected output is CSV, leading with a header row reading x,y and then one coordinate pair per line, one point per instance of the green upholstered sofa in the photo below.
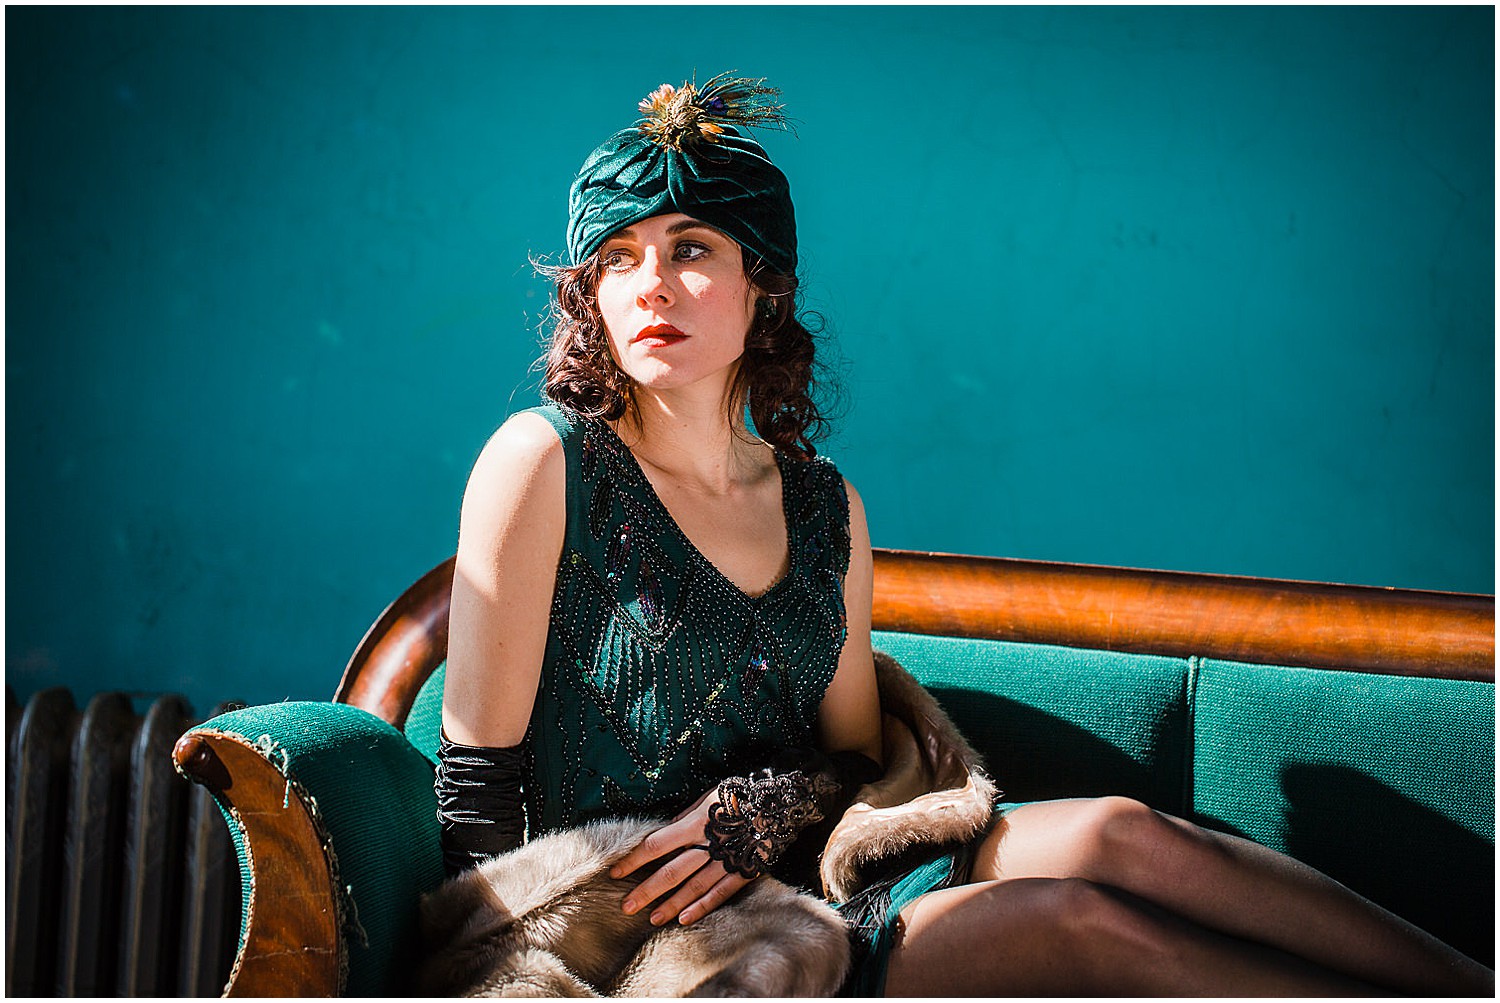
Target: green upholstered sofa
x,y
1351,727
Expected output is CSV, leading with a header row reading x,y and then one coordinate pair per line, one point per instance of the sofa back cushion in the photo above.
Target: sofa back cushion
x,y
1386,783
1057,722
424,725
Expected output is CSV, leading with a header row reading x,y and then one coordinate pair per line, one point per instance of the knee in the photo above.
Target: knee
x,y
1117,816
1079,909
1116,835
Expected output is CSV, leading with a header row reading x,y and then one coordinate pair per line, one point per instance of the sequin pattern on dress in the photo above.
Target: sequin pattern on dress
x,y
660,676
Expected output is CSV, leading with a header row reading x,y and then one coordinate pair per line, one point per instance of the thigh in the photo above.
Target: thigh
x,y
1004,938
1046,936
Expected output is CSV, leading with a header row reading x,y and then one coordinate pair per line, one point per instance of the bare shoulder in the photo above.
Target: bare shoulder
x,y
526,444
854,498
510,535
524,453
858,527
519,480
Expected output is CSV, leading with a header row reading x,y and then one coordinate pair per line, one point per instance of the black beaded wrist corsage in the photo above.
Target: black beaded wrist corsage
x,y
758,817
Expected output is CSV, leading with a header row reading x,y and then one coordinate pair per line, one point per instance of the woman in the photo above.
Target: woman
x,y
658,611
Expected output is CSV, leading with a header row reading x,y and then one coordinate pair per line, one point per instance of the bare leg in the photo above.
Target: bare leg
x,y
1229,885
1041,936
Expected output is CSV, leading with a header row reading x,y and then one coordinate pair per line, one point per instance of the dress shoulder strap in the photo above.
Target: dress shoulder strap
x,y
560,418
818,513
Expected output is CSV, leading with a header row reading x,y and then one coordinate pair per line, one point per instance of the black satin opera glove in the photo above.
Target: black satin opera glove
x,y
480,804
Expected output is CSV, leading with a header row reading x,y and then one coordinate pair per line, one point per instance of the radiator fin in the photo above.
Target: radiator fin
x,y
121,878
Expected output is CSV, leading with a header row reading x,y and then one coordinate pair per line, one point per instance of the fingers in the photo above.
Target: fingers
x,y
716,896
687,893
697,884
702,885
660,843
669,876
709,887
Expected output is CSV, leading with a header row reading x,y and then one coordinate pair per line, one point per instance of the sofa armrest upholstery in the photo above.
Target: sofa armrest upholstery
x,y
333,815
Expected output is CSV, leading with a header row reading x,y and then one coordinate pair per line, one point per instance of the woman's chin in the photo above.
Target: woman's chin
x,y
660,376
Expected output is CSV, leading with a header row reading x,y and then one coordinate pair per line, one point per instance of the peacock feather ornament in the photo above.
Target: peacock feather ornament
x,y
675,117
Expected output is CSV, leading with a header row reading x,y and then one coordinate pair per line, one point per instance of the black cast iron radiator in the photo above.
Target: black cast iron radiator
x,y
120,876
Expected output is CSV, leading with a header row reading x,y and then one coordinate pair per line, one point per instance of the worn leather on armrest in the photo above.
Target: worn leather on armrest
x,y
338,834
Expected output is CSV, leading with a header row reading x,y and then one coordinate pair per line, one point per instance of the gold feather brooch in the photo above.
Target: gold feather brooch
x,y
675,116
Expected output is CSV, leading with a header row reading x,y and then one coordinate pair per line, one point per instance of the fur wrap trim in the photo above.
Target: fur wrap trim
x,y
545,920
934,790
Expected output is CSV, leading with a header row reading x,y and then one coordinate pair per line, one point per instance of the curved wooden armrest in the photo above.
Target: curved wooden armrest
x,y
295,952
404,645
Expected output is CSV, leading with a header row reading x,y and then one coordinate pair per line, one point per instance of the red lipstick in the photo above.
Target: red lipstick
x,y
658,335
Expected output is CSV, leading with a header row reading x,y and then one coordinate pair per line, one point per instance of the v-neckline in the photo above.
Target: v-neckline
x,y
692,548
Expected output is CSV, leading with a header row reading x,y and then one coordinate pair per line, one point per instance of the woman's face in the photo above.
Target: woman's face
x,y
675,301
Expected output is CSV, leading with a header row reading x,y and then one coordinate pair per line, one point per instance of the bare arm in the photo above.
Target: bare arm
x,y
849,717
510,538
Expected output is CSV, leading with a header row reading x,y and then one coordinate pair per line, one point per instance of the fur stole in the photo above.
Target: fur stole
x,y
934,790
545,920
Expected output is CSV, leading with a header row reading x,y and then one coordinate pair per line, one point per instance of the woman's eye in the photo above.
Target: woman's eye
x,y
618,261
690,252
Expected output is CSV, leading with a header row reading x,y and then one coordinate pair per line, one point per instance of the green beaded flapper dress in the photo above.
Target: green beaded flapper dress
x,y
660,676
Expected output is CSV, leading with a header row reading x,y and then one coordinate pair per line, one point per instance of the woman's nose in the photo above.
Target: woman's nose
x,y
651,285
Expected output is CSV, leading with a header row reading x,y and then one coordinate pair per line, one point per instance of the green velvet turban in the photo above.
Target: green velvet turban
x,y
686,156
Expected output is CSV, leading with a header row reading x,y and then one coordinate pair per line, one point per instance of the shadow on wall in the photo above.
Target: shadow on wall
x,y
1401,854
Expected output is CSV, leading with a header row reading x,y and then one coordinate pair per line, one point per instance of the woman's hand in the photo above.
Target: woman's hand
x,y
702,884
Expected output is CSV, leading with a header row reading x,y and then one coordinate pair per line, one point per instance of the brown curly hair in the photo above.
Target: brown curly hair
x,y
775,378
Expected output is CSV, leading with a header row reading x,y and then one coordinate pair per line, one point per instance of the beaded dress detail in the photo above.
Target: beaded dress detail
x,y
661,677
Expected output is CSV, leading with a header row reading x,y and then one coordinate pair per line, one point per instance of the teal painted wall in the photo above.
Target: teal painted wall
x,y
1206,289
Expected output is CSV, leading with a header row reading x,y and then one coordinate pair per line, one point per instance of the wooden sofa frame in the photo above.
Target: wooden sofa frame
x,y
290,944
